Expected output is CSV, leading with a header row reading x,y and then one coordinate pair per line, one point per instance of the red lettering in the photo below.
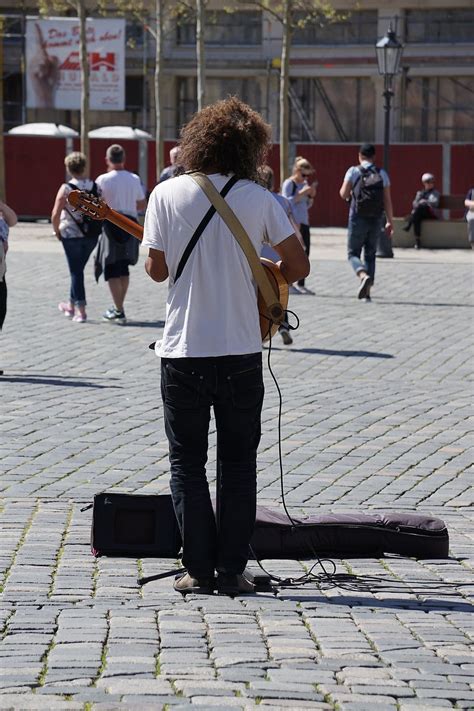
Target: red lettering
x,y
99,61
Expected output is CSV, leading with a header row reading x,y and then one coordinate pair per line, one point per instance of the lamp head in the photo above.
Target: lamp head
x,y
389,53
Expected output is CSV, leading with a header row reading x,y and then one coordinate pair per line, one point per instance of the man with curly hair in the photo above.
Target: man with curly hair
x,y
211,347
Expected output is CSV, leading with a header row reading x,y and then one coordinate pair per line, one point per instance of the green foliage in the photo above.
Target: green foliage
x,y
302,12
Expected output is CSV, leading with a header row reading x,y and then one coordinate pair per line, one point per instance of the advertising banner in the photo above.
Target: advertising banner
x,y
53,72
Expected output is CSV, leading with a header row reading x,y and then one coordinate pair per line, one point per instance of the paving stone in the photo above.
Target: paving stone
x,y
399,441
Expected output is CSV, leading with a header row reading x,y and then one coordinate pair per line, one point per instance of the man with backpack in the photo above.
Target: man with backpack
x,y
367,188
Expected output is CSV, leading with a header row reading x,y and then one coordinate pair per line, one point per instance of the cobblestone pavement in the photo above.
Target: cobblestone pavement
x,y
376,417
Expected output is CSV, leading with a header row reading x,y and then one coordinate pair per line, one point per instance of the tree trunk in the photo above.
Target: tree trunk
x,y
158,79
84,60
200,54
284,86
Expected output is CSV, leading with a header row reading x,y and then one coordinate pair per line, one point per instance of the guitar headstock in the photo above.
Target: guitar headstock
x,y
87,203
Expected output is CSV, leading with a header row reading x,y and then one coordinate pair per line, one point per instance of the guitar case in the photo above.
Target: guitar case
x,y
354,535
146,526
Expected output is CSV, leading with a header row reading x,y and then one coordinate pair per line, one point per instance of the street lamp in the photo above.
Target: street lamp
x,y
389,53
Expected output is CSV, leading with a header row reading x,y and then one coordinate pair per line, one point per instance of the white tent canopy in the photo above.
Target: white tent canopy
x,y
123,132
43,129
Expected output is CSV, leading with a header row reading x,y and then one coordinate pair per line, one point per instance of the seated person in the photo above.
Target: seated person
x,y
424,206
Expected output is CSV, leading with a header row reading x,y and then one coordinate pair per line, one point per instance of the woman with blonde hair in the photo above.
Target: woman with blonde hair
x,y
77,235
301,193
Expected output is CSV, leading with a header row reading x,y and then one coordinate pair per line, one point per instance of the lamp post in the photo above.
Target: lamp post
x,y
389,53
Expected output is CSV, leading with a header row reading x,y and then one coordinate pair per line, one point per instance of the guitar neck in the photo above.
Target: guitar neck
x,y
125,223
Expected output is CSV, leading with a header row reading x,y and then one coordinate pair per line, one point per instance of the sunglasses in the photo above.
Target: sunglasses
x,y
305,175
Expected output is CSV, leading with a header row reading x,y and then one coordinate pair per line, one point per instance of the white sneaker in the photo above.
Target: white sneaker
x,y
112,315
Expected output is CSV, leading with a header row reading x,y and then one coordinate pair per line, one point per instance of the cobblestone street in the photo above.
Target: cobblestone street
x,y
377,416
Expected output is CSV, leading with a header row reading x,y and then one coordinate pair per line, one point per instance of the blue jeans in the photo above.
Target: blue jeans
x,y
363,233
233,386
78,251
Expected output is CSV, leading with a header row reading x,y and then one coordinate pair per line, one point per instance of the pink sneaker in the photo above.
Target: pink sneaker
x,y
65,309
80,318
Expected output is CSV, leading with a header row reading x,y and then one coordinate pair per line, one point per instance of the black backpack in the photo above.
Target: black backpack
x,y
367,193
88,226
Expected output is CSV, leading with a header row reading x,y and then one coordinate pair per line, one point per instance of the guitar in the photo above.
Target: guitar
x,y
97,209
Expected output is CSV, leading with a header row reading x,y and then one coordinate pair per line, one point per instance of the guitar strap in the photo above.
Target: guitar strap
x,y
201,227
275,309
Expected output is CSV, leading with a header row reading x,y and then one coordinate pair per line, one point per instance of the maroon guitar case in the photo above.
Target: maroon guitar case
x,y
353,535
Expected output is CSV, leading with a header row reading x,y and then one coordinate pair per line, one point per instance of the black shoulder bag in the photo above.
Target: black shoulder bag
x,y
88,226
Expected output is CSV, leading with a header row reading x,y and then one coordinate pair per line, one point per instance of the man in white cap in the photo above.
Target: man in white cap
x,y
424,207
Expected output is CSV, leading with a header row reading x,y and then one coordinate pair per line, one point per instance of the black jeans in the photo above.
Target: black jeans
x,y
3,301
306,235
420,213
233,386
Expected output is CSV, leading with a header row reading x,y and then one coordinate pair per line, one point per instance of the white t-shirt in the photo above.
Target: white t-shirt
x,y
212,308
121,189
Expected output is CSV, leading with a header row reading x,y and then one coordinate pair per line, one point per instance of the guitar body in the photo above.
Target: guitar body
x,y
97,209
282,291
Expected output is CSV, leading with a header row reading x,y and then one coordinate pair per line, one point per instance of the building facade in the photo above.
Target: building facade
x,y
336,92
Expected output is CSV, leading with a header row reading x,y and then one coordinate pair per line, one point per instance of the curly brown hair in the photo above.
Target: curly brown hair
x,y
226,137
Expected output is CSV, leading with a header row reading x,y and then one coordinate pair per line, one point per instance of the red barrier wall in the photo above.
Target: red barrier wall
x,y
462,170
273,161
421,159
151,172
407,163
98,147
34,170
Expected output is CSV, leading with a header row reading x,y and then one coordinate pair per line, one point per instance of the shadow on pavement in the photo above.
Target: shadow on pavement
x,y
145,324
384,301
329,351
423,303
431,605
423,594
54,380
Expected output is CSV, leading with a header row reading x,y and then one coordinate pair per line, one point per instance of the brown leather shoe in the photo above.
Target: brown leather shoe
x,y
232,584
186,584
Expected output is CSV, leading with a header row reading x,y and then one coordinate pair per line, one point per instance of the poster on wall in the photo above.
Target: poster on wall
x,y
53,72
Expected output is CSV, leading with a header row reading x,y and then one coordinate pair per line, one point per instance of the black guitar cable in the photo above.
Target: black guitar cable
x,y
308,577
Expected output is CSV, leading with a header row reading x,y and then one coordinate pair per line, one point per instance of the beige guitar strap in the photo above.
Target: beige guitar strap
x,y
235,226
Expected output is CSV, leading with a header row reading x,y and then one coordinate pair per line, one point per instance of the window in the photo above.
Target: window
x,y
13,27
246,89
186,100
12,100
334,108
134,32
133,93
439,25
359,28
438,109
222,28
216,88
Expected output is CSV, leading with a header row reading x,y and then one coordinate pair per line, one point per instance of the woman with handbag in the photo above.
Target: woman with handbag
x,y
77,234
